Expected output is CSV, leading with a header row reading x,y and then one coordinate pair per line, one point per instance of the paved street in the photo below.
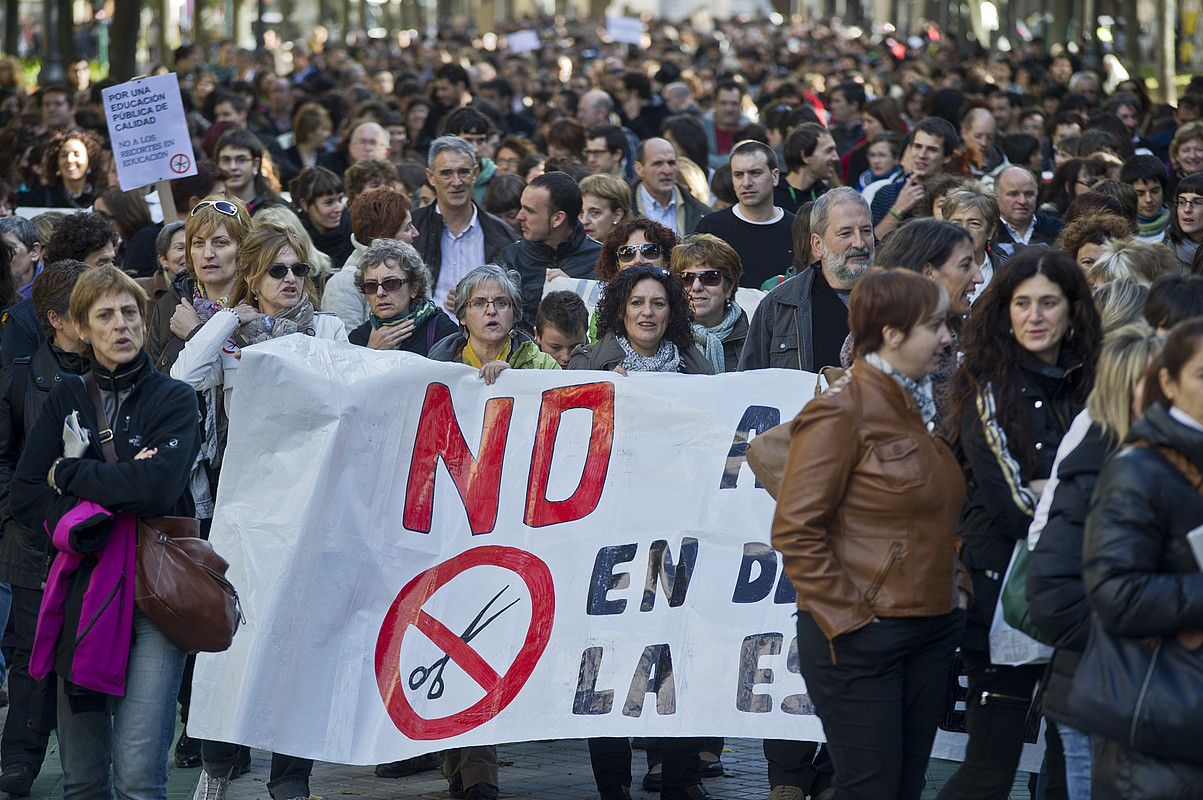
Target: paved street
x,y
557,770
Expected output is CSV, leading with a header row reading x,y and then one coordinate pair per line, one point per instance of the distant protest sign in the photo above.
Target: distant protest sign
x,y
427,562
628,30
148,131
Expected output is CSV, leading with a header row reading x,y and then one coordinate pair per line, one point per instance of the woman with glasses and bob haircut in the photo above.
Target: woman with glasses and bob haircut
x,y
396,283
643,325
487,305
710,269
1185,230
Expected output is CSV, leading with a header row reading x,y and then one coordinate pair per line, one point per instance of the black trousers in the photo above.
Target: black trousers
x,y
28,699
611,759
289,776
881,699
996,713
710,744
806,765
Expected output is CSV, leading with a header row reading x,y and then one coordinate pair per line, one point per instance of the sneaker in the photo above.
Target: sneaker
x,y
210,788
187,751
481,791
787,793
17,778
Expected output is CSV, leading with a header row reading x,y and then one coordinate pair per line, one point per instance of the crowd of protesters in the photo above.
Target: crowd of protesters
x,y
992,258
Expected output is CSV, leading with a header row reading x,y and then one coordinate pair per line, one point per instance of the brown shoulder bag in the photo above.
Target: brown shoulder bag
x,y
181,585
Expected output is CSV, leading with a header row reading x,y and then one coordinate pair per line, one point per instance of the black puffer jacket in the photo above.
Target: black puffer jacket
x,y
25,552
162,345
1143,581
1000,501
577,255
1056,594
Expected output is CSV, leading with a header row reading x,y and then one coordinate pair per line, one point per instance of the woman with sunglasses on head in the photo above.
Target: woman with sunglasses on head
x,y
396,283
633,242
273,297
710,269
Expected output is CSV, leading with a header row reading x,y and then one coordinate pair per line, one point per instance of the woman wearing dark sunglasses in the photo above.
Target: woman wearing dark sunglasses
x,y
635,242
272,298
396,284
710,269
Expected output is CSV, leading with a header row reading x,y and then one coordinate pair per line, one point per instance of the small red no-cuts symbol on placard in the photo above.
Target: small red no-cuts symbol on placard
x,y
180,163
499,690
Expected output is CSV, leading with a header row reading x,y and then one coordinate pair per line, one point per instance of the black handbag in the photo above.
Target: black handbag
x,y
1145,693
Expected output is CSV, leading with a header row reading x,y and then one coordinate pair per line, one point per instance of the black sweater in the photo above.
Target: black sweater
x,y
765,250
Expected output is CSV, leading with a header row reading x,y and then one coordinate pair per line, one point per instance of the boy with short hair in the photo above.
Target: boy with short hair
x,y
561,324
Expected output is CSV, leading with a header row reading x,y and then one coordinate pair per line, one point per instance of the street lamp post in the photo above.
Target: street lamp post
x,y
52,71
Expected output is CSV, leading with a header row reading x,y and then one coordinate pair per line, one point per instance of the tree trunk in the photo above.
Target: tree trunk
x,y
12,27
1166,52
200,36
66,30
123,63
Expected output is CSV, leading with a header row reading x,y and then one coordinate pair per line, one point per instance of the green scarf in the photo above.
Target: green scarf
x,y
421,313
1150,226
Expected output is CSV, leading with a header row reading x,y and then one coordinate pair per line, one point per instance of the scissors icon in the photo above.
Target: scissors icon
x,y
434,673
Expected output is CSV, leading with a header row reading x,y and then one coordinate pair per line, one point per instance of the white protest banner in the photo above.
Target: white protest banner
x,y
425,561
590,292
148,131
628,30
523,41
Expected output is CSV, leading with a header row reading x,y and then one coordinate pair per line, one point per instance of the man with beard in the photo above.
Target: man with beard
x,y
802,323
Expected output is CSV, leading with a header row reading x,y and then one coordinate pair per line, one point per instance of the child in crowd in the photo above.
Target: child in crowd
x,y
562,324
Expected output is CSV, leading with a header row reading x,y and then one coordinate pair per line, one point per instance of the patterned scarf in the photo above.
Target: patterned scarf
x,y
421,314
1151,226
666,359
210,449
921,391
710,340
299,318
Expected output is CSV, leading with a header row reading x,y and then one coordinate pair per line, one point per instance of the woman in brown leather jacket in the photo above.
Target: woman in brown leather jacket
x,y
866,520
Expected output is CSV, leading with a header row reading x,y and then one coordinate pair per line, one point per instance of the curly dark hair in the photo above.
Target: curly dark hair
x,y
79,234
992,355
97,172
607,262
612,308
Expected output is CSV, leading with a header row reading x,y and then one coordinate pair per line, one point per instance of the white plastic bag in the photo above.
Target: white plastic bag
x,y
1011,646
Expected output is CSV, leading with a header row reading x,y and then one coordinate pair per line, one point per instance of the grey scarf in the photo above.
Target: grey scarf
x,y
921,391
710,340
666,359
299,318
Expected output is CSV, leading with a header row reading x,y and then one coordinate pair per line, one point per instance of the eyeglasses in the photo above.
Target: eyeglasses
x,y
1190,203
499,303
708,277
220,206
234,161
508,162
596,152
278,271
650,250
388,284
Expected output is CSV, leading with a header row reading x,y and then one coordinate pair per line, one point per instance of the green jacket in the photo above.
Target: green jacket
x,y
524,353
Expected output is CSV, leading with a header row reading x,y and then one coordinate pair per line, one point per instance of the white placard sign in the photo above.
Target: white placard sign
x,y
426,562
148,131
523,41
628,30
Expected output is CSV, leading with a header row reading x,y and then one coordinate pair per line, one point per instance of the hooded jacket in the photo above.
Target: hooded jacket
x,y
577,255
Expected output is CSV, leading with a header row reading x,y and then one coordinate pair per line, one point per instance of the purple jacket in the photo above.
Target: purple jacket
x,y
106,620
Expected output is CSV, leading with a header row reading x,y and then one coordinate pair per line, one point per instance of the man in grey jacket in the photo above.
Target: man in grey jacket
x,y
802,323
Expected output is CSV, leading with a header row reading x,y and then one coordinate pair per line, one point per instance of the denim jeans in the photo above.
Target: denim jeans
x,y
31,703
121,751
1079,757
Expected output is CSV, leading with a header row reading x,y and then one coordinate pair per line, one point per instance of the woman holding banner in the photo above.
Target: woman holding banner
x,y
643,321
866,521
272,298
